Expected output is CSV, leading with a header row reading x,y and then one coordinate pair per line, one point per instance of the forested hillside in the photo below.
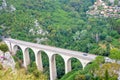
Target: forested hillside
x,y
65,22
61,23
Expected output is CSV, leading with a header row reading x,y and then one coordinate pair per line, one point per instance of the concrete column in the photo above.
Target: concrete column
x,y
26,58
38,58
52,63
67,66
15,48
8,44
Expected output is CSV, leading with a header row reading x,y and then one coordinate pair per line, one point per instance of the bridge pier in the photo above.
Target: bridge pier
x,y
67,66
67,63
26,58
15,50
38,60
52,66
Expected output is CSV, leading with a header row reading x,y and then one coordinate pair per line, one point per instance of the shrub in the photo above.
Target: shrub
x,y
1,67
3,47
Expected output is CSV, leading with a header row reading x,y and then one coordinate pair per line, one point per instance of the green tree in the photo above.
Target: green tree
x,y
99,60
106,75
80,77
115,54
117,25
116,2
107,49
3,47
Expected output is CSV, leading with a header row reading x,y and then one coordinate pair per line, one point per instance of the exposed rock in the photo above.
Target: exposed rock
x,y
119,75
12,8
37,30
5,6
39,40
7,60
36,23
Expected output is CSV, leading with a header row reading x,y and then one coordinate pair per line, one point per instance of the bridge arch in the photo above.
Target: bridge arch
x,y
88,64
18,54
59,64
43,61
74,63
16,48
29,55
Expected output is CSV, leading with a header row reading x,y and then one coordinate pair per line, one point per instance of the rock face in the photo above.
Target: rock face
x,y
12,8
37,30
7,60
119,76
5,6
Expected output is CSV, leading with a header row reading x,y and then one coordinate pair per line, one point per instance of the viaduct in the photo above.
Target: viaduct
x,y
51,52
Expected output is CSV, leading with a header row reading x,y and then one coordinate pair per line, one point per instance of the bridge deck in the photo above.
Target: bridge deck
x,y
54,49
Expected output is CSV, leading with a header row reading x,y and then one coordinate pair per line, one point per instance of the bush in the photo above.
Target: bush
x,y
17,65
31,67
3,47
70,76
36,73
80,77
1,67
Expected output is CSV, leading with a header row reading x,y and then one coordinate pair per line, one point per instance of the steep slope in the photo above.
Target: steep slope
x,y
61,23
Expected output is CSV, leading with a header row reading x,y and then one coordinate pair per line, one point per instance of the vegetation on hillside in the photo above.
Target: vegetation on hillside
x,y
3,47
97,70
20,74
67,26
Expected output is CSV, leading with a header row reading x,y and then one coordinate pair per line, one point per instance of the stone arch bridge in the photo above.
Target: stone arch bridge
x,y
51,52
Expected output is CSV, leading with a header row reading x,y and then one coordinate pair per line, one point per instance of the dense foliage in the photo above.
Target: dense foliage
x,y
66,22
107,71
8,74
3,47
67,25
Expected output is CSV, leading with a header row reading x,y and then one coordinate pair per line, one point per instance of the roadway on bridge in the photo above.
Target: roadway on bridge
x,y
53,49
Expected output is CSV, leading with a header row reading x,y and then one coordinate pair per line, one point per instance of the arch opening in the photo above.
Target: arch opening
x,y
87,65
18,55
75,64
60,65
31,54
30,60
